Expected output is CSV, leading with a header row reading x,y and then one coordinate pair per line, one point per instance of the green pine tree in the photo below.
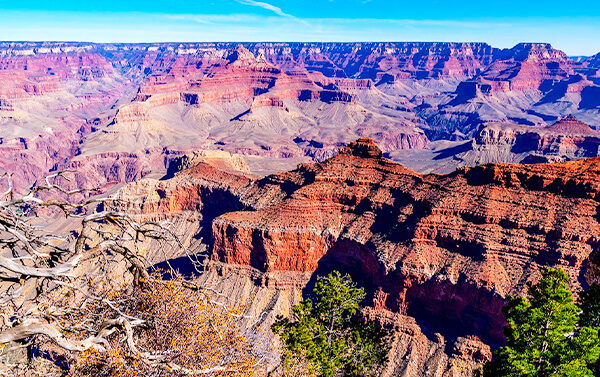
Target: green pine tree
x,y
589,301
544,337
328,333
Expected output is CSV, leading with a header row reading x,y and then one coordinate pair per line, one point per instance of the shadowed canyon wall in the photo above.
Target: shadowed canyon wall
x,y
438,254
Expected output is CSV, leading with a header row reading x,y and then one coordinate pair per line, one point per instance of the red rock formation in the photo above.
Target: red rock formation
x,y
289,101
233,75
529,84
220,90
571,126
373,60
188,189
445,250
47,99
425,246
525,66
41,73
566,139
437,254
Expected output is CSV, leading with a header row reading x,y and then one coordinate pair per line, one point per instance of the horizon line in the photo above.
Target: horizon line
x,y
241,42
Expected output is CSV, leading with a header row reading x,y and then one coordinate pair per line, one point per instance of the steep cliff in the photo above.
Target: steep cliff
x,y
527,66
374,60
438,254
530,84
593,62
565,140
443,250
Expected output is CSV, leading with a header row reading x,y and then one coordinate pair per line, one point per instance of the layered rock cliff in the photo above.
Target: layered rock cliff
x,y
443,250
50,95
593,62
565,140
374,60
526,66
530,84
197,99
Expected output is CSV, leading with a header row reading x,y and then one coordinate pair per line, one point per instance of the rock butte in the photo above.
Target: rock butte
x,y
438,254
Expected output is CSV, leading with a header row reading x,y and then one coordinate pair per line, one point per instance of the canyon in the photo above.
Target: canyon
x,y
442,176
118,112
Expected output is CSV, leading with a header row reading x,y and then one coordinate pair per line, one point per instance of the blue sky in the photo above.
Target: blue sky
x,y
574,29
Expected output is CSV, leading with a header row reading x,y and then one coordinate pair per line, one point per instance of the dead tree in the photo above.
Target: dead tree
x,y
71,276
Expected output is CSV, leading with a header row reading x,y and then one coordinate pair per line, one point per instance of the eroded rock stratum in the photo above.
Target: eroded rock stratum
x,y
438,254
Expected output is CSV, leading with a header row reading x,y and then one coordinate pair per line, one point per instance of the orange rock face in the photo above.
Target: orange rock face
x,y
437,254
446,250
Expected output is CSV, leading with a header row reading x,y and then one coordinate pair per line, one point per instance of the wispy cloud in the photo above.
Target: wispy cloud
x,y
574,36
188,17
210,19
266,6
278,11
413,22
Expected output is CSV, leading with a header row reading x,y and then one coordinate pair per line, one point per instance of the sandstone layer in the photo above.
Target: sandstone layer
x,y
444,250
198,128
438,254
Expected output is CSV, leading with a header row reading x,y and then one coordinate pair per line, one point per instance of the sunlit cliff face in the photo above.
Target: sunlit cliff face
x,y
438,254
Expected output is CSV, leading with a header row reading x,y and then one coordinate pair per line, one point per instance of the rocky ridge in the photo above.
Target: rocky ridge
x,y
565,140
594,61
426,247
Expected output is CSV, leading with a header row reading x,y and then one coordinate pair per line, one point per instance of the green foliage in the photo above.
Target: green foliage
x,y
589,301
328,333
544,337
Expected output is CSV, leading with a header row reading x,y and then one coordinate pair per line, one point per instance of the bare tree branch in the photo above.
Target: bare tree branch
x,y
76,288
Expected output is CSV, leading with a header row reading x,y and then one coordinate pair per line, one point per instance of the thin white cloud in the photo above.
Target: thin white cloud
x,y
266,6
188,17
216,18
574,36
413,22
210,19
